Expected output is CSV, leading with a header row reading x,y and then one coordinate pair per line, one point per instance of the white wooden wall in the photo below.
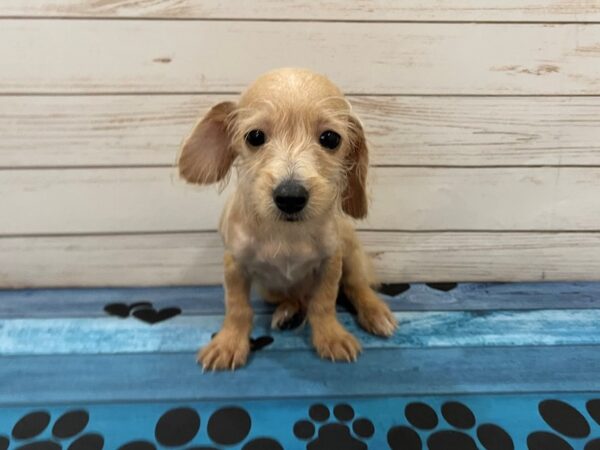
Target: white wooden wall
x,y
483,117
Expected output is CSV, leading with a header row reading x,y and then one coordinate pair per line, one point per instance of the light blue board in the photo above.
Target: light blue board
x,y
517,415
186,333
298,374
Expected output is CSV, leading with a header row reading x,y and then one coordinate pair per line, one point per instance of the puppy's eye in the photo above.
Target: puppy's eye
x,y
329,139
255,138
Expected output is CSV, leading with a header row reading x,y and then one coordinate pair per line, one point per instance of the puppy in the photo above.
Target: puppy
x,y
301,159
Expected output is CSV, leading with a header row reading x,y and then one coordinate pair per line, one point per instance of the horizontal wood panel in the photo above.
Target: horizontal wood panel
x,y
208,300
146,130
394,58
444,10
195,258
40,380
404,198
186,333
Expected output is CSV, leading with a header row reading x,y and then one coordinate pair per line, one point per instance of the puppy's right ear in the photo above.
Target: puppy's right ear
x,y
206,155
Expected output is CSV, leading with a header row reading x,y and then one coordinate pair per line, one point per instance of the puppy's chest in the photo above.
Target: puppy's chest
x,y
281,261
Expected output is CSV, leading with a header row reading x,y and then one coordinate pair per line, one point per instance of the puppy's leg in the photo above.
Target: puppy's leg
x,y
329,337
230,347
374,315
288,313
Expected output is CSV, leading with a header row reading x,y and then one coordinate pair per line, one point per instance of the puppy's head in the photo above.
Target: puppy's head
x,y
299,150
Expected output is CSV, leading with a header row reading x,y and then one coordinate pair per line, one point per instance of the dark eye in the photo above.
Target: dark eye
x,y
329,139
255,138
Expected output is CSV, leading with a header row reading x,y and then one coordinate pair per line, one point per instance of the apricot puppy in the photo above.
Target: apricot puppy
x,y
302,160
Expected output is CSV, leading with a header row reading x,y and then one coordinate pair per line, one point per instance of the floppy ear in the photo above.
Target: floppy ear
x,y
206,155
354,200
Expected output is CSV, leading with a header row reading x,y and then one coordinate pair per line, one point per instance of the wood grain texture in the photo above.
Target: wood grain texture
x,y
122,378
186,333
126,130
79,56
194,258
153,199
198,300
444,10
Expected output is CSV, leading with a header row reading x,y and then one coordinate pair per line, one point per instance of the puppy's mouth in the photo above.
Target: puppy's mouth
x,y
291,217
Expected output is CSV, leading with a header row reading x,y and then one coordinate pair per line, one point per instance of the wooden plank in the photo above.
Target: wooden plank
x,y
122,378
187,333
195,258
404,198
388,10
195,300
147,130
79,56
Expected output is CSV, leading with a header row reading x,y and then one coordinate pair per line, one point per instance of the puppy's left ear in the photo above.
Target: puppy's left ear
x,y
354,201
206,155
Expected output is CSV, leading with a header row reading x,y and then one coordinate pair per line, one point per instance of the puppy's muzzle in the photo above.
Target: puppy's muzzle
x,y
290,197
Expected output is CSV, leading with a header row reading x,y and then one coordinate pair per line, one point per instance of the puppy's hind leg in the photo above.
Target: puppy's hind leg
x,y
289,313
374,315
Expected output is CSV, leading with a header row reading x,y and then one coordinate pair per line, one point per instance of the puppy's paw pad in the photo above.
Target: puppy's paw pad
x,y
378,320
227,351
337,345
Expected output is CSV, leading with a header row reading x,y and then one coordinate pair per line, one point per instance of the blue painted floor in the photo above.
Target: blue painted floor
x,y
473,366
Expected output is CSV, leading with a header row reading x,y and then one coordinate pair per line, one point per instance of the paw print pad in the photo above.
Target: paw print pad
x,y
424,418
566,422
334,434
227,426
67,429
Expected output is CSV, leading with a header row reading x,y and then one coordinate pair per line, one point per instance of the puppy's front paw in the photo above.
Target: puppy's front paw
x,y
227,351
336,344
377,318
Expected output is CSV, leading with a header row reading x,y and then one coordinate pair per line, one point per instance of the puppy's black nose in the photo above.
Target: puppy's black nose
x,y
290,197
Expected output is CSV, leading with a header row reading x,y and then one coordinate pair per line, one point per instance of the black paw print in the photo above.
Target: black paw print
x,y
143,311
459,416
566,421
226,426
68,428
444,287
334,434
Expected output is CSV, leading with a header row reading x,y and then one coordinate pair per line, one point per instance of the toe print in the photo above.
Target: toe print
x,y
262,444
421,416
593,408
67,432
177,427
566,422
138,445
444,287
336,434
404,438
564,419
227,426
31,425
70,424
456,414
